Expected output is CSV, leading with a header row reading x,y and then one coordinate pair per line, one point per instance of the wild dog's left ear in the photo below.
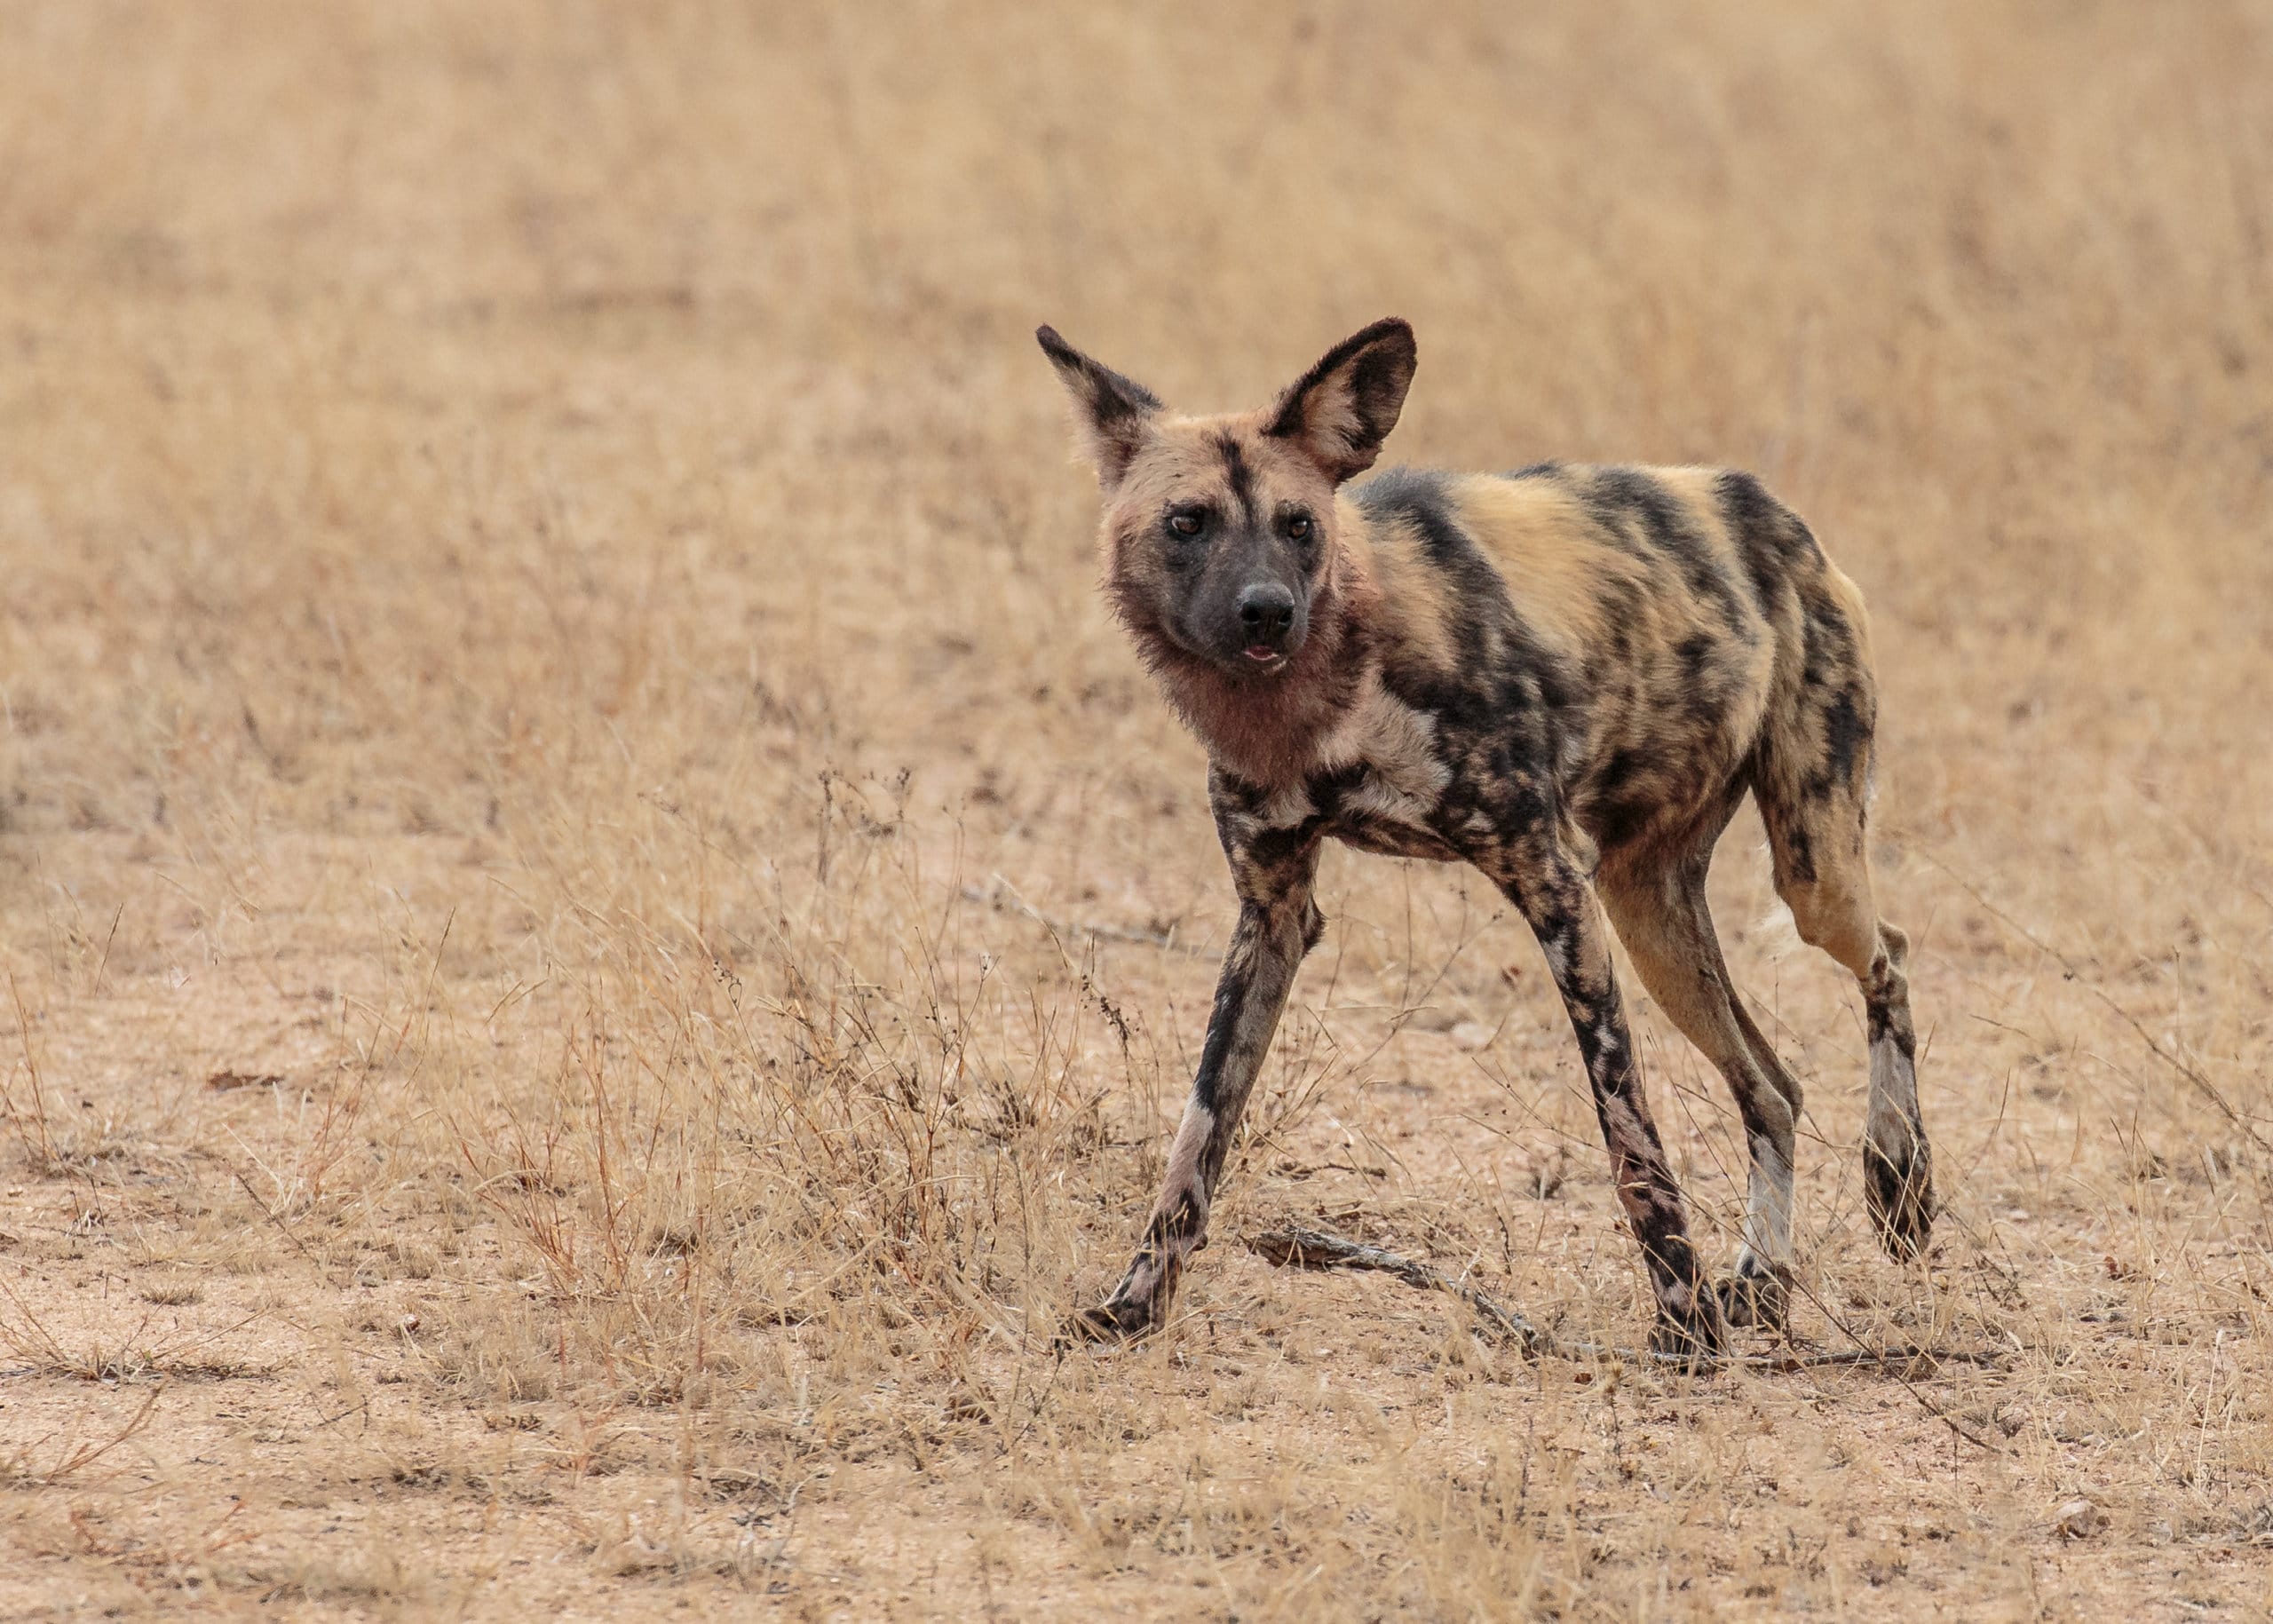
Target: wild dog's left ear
x,y
1340,410
1110,411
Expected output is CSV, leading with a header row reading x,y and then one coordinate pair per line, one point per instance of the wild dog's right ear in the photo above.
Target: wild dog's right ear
x,y
1340,410
1110,411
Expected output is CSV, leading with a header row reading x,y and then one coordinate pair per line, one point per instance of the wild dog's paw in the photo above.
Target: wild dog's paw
x,y
1899,1190
1115,1321
1693,1334
1138,1306
1757,1295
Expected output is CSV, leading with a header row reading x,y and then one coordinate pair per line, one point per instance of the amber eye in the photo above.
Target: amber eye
x,y
1298,528
1187,523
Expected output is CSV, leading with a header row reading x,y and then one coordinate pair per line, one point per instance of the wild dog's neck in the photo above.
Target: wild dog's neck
x,y
1267,729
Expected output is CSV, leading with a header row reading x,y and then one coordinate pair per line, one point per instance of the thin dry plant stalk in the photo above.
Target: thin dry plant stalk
x,y
23,1469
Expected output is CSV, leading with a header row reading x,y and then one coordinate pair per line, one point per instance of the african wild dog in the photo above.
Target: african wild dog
x,y
1567,676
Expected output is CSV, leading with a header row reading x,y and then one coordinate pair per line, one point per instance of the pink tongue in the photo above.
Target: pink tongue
x,y
1260,653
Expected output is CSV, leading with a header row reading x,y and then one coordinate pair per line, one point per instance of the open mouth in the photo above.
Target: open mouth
x,y
1262,655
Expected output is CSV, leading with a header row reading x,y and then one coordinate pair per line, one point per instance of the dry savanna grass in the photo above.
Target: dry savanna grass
x,y
601,937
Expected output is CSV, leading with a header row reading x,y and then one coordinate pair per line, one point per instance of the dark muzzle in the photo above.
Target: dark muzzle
x,y
1267,616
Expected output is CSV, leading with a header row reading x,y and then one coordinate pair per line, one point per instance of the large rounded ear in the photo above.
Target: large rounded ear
x,y
1110,411
1340,410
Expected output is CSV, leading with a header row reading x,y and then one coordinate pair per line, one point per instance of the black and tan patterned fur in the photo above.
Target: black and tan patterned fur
x,y
1568,676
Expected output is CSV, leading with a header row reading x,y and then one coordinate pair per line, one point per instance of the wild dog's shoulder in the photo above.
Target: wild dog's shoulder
x,y
1720,529
1646,505
1657,496
1432,504
1535,514
1424,536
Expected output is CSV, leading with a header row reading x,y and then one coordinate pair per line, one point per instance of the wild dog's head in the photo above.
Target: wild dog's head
x,y
1221,542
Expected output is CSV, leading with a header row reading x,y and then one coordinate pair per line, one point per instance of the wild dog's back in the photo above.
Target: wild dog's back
x,y
1676,610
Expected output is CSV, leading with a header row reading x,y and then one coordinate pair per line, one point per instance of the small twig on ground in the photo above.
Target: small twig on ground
x,y
1310,1249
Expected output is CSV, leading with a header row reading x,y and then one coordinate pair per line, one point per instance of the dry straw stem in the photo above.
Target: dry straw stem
x,y
71,1456
2210,1090
558,737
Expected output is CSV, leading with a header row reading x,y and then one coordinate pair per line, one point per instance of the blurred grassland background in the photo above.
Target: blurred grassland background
x,y
602,934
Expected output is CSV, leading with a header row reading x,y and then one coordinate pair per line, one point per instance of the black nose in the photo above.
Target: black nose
x,y
1267,613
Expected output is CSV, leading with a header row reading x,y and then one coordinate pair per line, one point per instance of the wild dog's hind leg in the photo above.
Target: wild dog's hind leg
x,y
1662,917
1898,1162
1559,905
1811,799
1278,926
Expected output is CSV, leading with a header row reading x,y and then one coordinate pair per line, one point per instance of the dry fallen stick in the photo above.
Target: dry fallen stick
x,y
1311,1248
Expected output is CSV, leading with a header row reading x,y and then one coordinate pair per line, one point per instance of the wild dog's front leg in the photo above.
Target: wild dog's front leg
x,y
1560,906
1277,927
